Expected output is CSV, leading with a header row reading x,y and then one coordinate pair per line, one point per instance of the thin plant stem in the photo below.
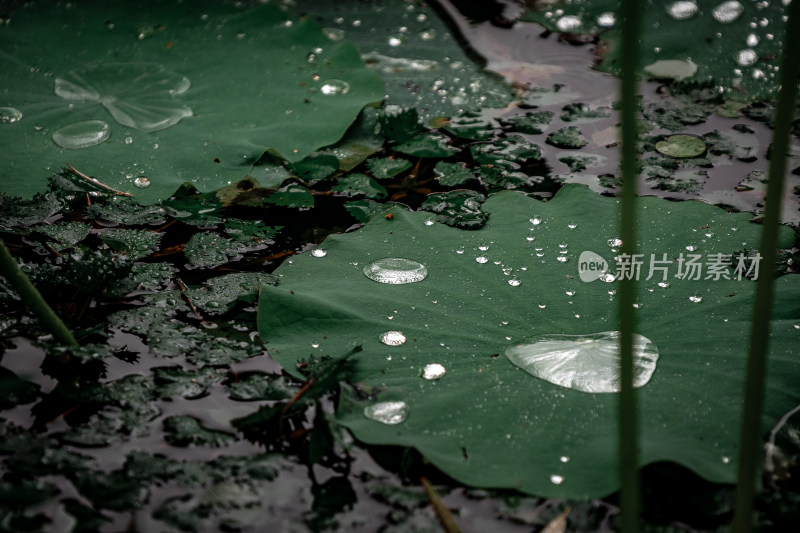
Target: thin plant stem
x,y
32,298
751,438
631,11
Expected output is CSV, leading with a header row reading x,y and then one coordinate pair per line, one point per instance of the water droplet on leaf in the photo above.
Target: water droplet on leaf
x,y
9,115
82,134
433,371
387,412
334,87
393,338
319,252
396,271
588,363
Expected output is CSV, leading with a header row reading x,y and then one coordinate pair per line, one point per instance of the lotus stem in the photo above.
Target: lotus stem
x,y
751,438
631,11
32,298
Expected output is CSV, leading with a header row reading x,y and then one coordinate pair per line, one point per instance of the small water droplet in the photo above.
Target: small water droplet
x,y
615,242
530,238
481,260
427,34
746,57
396,271
570,293
663,284
682,10
429,222
433,371
9,115
142,182
129,140
319,252
606,20
691,247
315,345
695,298
569,23
562,258
555,479
334,34
727,12
542,306
395,40
82,134
387,412
334,87
536,221
726,459
564,459
514,282
572,225
393,338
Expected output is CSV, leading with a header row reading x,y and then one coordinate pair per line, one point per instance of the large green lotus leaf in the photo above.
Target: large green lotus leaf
x,y
489,423
732,42
183,91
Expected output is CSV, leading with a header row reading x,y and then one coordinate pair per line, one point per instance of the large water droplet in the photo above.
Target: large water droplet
x,y
9,115
514,282
728,11
387,412
142,182
393,338
588,363
482,259
334,87
682,10
396,271
82,134
695,298
433,371
319,252
555,479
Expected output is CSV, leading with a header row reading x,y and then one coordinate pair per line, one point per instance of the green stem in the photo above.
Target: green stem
x,y
631,11
32,298
751,433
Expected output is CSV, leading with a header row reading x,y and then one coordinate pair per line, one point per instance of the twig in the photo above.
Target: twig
x,y
97,182
188,300
446,518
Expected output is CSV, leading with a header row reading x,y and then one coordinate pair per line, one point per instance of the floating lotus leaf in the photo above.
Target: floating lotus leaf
x,y
487,422
145,97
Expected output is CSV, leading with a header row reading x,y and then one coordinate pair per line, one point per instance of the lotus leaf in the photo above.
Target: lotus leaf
x,y
487,422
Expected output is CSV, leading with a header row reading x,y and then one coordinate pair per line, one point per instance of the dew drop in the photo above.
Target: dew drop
x,y
427,35
319,252
142,182
334,87
315,345
555,479
695,298
588,363
536,221
752,40
334,34
682,10
9,115
727,12
569,23
514,282
395,271
615,242
387,412
572,225
530,238
663,284
562,259
606,20
481,260
726,459
129,140
395,40
82,134
542,306
746,57
393,338
691,247
433,371
564,459
429,222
